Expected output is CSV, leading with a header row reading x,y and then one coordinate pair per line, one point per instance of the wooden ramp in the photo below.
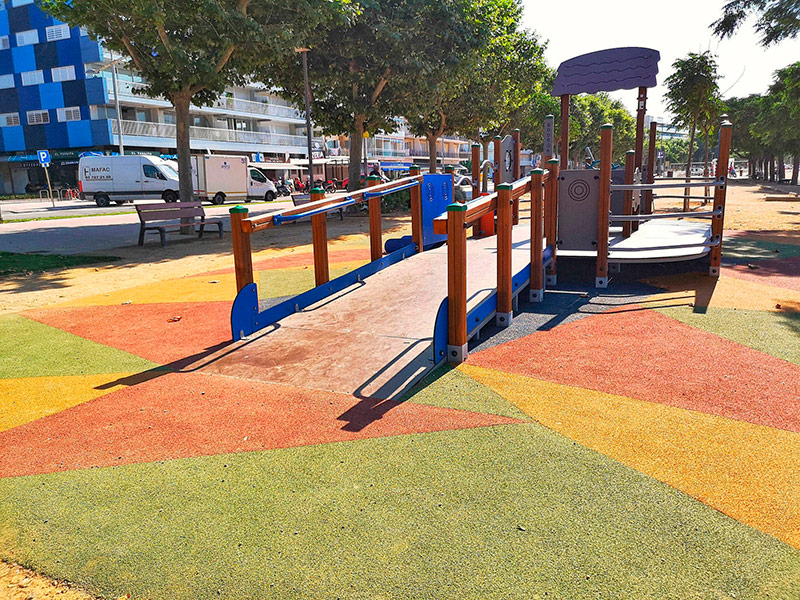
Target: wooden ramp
x,y
375,338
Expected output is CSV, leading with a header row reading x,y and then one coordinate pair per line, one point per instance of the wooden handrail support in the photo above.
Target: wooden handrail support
x,y
517,171
627,205
375,242
416,210
651,168
720,194
242,255
537,233
319,237
551,217
505,225
457,347
606,152
498,160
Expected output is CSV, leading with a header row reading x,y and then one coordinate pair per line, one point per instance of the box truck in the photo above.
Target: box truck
x,y
217,177
121,178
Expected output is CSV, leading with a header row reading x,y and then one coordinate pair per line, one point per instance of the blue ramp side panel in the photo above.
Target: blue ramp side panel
x,y
437,193
244,308
440,333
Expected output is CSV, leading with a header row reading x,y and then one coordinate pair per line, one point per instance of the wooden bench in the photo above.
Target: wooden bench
x,y
165,217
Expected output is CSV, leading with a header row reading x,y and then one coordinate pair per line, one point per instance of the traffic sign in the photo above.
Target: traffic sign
x,y
44,157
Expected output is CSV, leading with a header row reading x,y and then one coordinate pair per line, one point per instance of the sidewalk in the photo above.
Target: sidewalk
x,y
96,234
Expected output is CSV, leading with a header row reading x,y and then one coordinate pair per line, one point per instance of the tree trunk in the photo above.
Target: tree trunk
x,y
772,168
432,138
781,167
706,190
181,103
356,144
689,166
795,168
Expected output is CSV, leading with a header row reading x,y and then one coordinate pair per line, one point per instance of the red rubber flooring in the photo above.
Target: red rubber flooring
x,y
648,356
781,272
182,415
145,329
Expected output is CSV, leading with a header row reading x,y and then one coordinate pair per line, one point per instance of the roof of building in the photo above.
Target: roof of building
x,y
607,71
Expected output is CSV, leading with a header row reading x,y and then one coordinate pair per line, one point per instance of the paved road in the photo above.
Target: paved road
x,y
26,209
93,233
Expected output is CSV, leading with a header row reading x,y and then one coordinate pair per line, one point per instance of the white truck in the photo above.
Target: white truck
x,y
121,178
218,177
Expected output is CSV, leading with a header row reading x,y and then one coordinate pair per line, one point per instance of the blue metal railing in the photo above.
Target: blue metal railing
x,y
280,219
367,194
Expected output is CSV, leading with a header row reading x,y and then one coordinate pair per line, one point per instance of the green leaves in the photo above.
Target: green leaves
x,y
777,19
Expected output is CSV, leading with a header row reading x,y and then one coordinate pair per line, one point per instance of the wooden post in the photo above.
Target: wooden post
x,y
537,233
565,131
627,205
456,283
516,171
505,224
476,170
449,169
641,111
551,217
651,168
606,152
498,161
720,192
375,233
416,210
319,236
242,256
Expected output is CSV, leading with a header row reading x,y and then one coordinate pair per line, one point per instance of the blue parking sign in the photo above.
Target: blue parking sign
x,y
44,157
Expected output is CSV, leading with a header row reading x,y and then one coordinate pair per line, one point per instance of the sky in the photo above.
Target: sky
x,y
674,28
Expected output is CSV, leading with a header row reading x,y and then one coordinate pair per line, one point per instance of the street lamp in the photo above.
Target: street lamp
x,y
113,65
304,53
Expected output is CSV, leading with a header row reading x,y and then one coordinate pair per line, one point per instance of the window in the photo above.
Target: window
x,y
257,175
15,3
6,81
63,73
70,113
84,31
57,32
151,172
4,43
26,38
9,120
38,117
32,77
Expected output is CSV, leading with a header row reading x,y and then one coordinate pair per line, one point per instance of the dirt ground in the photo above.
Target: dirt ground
x,y
17,583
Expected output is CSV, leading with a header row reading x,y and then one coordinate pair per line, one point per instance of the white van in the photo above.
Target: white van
x,y
120,178
218,177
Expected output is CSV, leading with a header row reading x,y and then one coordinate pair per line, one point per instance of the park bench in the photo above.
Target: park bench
x,y
166,217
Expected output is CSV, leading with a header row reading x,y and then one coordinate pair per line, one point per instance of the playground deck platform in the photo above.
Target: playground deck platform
x,y
373,339
667,240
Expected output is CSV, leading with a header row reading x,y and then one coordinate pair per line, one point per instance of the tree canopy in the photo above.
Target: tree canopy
x,y
776,19
363,73
588,113
188,52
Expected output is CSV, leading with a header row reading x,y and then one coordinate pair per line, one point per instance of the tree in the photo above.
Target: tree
x,y
364,73
189,52
489,89
777,19
588,113
693,94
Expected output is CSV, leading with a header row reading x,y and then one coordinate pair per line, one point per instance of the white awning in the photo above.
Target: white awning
x,y
276,166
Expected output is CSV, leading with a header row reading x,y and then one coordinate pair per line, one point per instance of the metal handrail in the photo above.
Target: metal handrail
x,y
280,219
658,186
370,194
677,215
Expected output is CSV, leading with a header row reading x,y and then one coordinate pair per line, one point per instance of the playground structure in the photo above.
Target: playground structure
x,y
603,214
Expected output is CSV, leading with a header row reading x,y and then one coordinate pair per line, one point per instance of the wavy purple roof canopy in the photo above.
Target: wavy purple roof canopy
x,y
607,71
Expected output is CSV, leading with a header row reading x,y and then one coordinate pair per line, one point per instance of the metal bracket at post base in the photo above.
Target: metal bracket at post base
x,y
713,271
503,319
457,354
601,282
536,295
551,279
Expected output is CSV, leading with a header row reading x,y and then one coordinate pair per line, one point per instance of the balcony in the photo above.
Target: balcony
x,y
128,90
296,143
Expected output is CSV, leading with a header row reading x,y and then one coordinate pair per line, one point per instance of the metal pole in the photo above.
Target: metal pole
x,y
116,104
49,188
308,116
